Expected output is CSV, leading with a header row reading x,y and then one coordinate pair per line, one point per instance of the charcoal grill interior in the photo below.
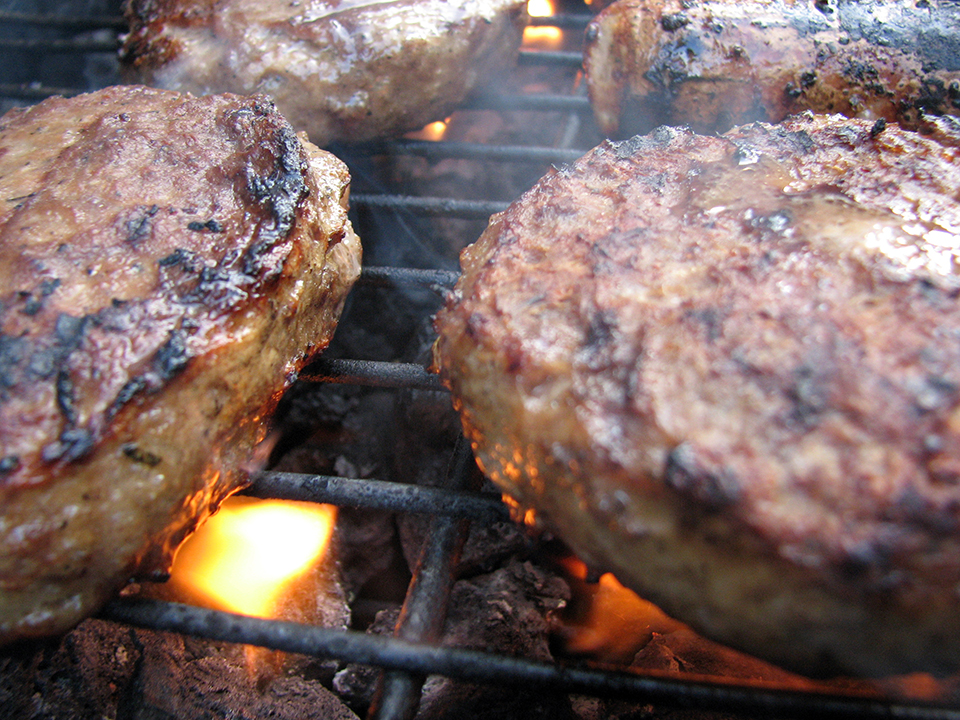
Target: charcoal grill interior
x,y
410,234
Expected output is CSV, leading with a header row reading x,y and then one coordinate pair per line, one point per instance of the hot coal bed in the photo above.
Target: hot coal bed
x,y
441,605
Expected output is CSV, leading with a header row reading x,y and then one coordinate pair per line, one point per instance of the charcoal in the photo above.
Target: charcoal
x,y
104,670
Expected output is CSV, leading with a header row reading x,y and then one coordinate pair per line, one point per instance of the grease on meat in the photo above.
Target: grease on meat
x,y
713,64
728,370
347,70
167,264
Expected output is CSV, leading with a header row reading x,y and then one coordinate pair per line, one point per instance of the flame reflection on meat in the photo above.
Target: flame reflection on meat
x,y
241,559
607,621
542,38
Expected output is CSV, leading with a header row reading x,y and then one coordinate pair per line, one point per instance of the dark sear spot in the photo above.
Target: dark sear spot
x,y
281,192
674,21
13,351
712,489
138,228
808,396
65,396
9,464
171,357
72,445
210,225
141,456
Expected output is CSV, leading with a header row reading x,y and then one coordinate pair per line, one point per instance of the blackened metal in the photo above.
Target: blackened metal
x,y
372,373
551,57
443,149
447,207
51,45
378,494
424,610
35,92
571,21
762,701
115,22
439,281
536,103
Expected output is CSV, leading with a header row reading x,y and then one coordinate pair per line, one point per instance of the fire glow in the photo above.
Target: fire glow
x,y
543,38
432,131
243,557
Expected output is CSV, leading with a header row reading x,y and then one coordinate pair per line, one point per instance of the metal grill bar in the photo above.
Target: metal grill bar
x,y
475,666
372,373
447,207
51,45
115,22
35,91
551,57
536,103
442,149
424,610
572,21
440,281
378,494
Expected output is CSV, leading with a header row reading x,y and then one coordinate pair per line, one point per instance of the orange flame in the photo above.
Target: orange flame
x,y
543,38
241,559
611,623
433,131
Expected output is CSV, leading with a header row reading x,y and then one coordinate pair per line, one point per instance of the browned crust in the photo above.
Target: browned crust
x,y
348,71
168,264
714,64
683,355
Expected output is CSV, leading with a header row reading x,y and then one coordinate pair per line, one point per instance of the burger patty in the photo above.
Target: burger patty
x,y
167,264
713,64
728,370
348,70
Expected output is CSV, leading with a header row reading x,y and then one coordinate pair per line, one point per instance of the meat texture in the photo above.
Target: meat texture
x,y
167,264
713,64
727,368
342,70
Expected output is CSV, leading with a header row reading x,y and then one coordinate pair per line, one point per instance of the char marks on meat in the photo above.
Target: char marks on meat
x,y
345,70
167,264
713,64
728,370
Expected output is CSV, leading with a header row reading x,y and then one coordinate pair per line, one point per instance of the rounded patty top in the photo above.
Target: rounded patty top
x,y
728,369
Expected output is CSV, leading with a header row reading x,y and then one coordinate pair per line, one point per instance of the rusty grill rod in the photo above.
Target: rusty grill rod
x,y
378,494
544,102
566,21
52,45
431,206
35,91
555,58
476,666
372,373
443,149
439,281
425,607
93,22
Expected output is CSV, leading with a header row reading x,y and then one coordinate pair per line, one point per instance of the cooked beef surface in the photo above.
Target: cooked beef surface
x,y
713,64
167,264
727,368
345,70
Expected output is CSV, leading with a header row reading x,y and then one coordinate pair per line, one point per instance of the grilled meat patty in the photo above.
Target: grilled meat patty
x,y
346,70
728,370
713,64
167,264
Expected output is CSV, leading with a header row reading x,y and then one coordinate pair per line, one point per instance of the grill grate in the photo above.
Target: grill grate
x,y
410,656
